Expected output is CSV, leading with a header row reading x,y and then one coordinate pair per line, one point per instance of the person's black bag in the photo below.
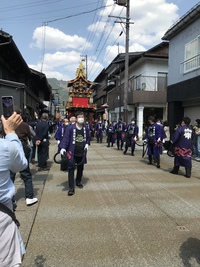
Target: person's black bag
x,y
64,162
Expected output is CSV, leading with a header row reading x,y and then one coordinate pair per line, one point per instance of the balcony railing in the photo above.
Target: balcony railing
x,y
190,64
149,83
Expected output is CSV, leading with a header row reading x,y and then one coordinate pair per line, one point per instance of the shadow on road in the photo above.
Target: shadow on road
x,y
189,250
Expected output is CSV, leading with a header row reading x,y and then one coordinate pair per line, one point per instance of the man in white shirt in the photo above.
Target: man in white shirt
x,y
12,158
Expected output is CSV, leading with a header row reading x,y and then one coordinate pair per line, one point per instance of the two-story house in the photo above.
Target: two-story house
x,y
184,67
147,91
28,87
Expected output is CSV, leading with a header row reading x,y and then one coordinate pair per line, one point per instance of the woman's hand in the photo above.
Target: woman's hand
x,y
11,124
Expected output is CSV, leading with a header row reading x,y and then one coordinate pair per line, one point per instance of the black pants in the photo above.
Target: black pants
x,y
156,159
27,179
43,154
119,139
109,138
79,173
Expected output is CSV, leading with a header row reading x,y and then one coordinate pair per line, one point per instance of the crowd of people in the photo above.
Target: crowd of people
x,y
184,140
25,141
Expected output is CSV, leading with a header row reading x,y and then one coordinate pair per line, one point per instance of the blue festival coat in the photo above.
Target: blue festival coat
x,y
89,127
119,130
68,143
182,140
110,132
131,132
60,132
99,129
157,146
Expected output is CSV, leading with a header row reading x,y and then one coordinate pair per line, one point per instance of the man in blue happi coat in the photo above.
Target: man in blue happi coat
x,y
99,129
61,130
75,145
153,137
110,134
119,130
89,126
182,141
131,136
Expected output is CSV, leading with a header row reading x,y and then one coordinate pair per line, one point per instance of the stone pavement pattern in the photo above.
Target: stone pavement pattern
x,y
128,214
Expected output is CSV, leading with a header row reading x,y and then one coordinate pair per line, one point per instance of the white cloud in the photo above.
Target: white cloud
x,y
56,39
151,18
60,65
50,72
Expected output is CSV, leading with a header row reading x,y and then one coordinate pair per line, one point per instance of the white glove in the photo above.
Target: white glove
x,y
135,138
86,146
62,151
159,139
163,141
144,141
58,142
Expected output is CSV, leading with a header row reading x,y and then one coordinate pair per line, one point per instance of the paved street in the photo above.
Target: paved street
x,y
128,214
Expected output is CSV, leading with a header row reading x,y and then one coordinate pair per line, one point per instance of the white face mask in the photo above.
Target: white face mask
x,y
66,123
133,122
80,120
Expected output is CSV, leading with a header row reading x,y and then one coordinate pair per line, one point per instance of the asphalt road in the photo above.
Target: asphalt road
x,y
128,214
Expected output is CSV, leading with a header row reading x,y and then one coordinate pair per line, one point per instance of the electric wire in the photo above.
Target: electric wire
x,y
108,35
100,39
104,58
27,5
47,22
42,13
91,34
75,15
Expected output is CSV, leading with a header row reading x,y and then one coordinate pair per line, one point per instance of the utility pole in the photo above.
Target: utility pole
x,y
126,82
126,3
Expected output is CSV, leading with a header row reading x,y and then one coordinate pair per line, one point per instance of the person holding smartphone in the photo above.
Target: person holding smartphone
x,y
12,158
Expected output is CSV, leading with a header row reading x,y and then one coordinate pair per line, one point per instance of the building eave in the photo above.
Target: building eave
x,y
192,15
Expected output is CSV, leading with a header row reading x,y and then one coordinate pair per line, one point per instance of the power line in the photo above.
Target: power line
x,y
92,32
94,71
108,35
100,39
47,12
46,23
27,5
75,15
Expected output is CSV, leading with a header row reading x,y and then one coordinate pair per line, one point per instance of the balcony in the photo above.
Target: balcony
x,y
190,64
148,89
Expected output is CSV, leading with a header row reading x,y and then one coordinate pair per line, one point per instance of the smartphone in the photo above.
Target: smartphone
x,y
7,106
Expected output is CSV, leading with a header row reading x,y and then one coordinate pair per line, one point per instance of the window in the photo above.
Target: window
x,y
192,55
162,81
138,82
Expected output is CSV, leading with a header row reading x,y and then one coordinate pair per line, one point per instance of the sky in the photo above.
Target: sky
x,y
54,36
